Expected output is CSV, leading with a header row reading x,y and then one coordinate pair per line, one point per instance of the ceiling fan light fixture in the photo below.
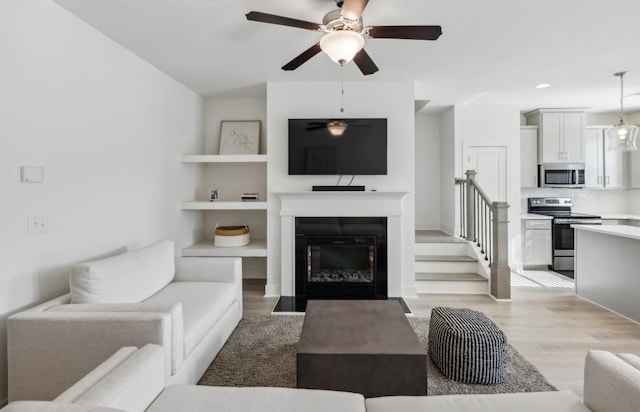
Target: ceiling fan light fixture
x,y
336,127
342,45
622,136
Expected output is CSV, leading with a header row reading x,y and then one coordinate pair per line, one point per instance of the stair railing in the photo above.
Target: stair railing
x,y
485,222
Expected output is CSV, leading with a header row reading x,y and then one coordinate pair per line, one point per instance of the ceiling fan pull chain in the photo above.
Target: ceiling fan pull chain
x,y
342,86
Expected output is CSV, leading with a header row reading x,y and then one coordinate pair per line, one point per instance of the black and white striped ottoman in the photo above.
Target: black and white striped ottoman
x,y
467,346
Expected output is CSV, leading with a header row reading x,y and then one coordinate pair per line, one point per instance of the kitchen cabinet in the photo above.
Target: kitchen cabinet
x,y
529,156
537,242
561,138
634,168
603,168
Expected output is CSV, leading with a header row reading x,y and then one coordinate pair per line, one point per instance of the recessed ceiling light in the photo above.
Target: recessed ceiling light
x,y
542,86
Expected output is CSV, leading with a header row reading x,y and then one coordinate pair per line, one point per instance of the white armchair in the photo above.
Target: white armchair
x,y
191,312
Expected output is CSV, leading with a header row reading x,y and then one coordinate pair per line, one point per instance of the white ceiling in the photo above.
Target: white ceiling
x,y
492,52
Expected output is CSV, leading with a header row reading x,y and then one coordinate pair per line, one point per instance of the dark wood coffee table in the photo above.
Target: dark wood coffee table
x,y
362,346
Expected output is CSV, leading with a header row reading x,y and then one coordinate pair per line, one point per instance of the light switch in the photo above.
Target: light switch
x,y
32,174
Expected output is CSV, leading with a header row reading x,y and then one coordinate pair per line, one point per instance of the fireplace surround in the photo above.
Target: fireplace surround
x,y
341,257
391,205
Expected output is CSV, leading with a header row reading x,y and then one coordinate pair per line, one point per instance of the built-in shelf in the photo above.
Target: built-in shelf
x,y
259,158
222,205
256,248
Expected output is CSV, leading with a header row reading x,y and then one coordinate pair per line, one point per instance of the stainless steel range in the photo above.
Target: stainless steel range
x,y
562,234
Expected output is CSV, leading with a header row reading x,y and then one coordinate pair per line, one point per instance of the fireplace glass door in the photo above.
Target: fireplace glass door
x,y
341,261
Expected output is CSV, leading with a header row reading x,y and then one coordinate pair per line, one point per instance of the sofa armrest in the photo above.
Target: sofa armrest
x,y
174,309
130,379
49,351
211,269
610,383
50,406
208,269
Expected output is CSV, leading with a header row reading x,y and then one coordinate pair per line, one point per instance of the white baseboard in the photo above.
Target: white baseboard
x,y
410,292
272,290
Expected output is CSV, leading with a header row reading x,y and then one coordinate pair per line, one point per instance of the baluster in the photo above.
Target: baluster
x,y
487,256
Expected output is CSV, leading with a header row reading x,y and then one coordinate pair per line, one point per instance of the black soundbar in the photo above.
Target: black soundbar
x,y
338,188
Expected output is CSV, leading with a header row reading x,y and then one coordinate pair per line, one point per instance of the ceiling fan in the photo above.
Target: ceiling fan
x,y
345,34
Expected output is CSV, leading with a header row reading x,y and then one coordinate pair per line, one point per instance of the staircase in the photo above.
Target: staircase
x,y
446,264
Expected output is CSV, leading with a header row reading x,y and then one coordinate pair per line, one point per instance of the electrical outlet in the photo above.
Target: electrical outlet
x,y
37,224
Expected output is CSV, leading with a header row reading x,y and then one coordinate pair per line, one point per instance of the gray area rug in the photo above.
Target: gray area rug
x,y
262,352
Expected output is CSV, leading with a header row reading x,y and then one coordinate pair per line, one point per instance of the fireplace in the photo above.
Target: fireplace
x,y
341,257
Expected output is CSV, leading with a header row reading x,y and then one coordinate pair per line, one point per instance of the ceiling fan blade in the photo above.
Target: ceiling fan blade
x,y
302,57
352,9
283,21
405,32
364,63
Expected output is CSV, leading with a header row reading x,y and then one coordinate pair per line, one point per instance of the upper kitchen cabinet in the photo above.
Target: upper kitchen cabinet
x,y
634,169
561,137
603,168
528,156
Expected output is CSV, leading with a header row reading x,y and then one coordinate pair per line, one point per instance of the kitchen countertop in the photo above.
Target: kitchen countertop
x,y
529,216
621,216
631,232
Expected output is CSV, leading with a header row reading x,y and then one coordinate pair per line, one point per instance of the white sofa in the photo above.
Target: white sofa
x,y
190,306
131,380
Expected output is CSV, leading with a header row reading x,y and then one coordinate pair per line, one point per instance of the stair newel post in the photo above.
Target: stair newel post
x,y
500,272
470,206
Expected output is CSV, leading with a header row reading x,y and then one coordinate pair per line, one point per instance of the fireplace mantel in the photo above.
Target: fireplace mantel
x,y
387,204
365,203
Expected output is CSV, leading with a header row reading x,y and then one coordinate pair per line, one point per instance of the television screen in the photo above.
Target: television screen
x,y
337,146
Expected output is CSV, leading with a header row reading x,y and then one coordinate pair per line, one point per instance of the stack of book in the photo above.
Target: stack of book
x,y
250,197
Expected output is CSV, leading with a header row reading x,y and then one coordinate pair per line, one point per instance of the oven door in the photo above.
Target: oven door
x,y
563,241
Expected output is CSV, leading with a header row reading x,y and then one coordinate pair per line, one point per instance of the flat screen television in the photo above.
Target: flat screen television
x,y
361,149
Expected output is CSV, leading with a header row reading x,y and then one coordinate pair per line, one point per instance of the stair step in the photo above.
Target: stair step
x,y
452,287
453,277
435,236
422,249
445,258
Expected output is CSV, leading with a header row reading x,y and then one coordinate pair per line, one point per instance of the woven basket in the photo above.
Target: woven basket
x,y
231,236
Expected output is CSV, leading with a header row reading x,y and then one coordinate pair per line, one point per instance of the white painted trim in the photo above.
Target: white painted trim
x,y
343,204
272,290
261,158
410,292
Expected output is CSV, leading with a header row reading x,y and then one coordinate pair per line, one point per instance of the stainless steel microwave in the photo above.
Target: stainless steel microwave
x,y
561,175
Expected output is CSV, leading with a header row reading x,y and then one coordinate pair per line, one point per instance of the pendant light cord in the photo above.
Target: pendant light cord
x,y
621,75
622,97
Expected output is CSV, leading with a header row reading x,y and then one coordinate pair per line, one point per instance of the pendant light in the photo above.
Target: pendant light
x,y
622,136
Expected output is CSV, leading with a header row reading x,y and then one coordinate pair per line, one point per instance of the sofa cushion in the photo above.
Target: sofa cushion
x,y
129,277
194,398
521,402
203,304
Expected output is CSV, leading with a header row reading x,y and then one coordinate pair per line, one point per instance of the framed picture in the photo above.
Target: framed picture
x,y
239,137
214,195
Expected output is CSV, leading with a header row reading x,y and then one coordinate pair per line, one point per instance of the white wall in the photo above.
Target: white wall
x,y
633,200
448,192
494,126
233,179
391,100
108,129
427,158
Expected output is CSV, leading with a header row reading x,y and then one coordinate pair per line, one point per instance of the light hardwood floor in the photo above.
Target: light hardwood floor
x,y
553,329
